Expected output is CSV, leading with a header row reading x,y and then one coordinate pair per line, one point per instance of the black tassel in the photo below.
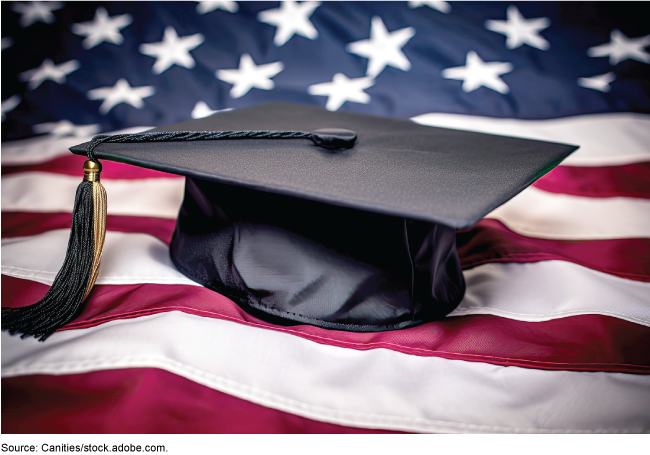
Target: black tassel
x,y
63,302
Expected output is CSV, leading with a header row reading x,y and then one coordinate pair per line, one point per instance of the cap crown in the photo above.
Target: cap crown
x,y
396,167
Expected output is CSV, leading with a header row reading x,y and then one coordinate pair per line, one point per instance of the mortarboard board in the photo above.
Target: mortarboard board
x,y
301,215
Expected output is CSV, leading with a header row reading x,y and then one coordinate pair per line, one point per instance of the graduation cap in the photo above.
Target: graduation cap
x,y
301,215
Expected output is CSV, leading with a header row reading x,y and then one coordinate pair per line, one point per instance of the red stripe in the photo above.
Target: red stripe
x,y
73,165
19,224
489,241
586,342
140,401
631,180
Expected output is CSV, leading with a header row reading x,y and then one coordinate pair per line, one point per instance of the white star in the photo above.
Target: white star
x,y
520,30
65,128
383,48
477,73
342,89
621,48
598,82
36,11
290,19
9,105
102,28
121,92
201,110
206,7
48,71
249,76
172,50
7,42
443,7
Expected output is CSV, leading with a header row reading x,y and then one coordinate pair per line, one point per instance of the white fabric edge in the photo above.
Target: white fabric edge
x,y
41,149
541,317
608,139
546,290
45,192
541,214
343,386
128,258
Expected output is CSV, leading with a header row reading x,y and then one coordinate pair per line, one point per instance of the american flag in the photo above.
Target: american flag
x,y
553,334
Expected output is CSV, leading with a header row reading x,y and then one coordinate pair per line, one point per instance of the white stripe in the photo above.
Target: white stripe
x,y
127,258
534,212
541,214
546,290
379,388
604,139
48,192
44,148
527,292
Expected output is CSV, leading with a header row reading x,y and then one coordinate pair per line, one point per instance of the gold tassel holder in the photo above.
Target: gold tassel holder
x,y
91,174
